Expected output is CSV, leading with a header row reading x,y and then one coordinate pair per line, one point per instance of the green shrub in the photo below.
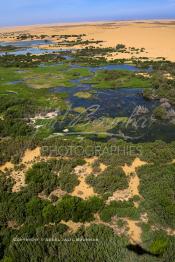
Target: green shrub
x,y
160,112
109,181
159,246
121,209
49,213
157,187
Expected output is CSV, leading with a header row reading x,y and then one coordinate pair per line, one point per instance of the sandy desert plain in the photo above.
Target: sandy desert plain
x,y
157,37
87,142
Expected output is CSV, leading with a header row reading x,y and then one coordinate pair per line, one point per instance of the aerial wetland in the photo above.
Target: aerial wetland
x,y
113,94
87,150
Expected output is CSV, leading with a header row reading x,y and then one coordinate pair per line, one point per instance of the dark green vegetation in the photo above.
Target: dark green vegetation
x,y
29,60
109,181
163,80
32,215
120,48
118,78
31,37
160,112
162,88
93,56
108,246
19,105
24,94
78,41
157,188
119,209
74,40
45,177
42,77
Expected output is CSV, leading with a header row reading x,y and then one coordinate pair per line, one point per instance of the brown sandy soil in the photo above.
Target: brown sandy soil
x,y
6,166
132,190
120,195
91,161
13,224
84,190
31,155
113,224
134,231
133,185
144,218
169,76
57,192
170,231
134,181
19,177
132,169
29,158
73,226
103,167
157,37
43,196
126,194
146,75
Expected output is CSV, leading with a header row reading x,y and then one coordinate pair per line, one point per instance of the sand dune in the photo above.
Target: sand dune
x,y
157,37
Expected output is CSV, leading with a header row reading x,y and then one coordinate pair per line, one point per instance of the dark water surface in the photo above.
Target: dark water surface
x,y
114,103
119,103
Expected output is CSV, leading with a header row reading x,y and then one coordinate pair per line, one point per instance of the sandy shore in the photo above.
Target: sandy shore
x,y
157,37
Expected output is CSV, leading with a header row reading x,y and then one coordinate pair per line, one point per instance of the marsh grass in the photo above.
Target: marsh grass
x,y
119,78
